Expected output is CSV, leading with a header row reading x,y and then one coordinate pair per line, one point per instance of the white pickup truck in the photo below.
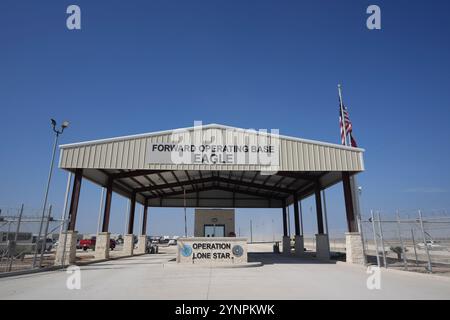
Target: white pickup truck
x,y
431,245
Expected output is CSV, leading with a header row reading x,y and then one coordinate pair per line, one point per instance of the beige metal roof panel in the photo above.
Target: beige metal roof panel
x,y
130,153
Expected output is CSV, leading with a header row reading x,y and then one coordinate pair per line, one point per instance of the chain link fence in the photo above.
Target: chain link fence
x,y
28,238
410,240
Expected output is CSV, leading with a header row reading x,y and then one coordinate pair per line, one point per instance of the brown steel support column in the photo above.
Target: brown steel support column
x,y
285,228
296,216
131,215
107,211
319,210
144,221
75,199
351,222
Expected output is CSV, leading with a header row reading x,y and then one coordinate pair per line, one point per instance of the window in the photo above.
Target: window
x,y
214,230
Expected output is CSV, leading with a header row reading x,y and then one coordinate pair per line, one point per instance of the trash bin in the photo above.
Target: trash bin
x,y
276,247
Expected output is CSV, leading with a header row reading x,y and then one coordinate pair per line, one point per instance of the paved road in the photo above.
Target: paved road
x,y
157,277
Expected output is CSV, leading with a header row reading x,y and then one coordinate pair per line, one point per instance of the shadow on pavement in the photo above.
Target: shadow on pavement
x,y
274,258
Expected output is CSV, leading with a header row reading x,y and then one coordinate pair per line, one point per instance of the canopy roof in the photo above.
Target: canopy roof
x,y
134,165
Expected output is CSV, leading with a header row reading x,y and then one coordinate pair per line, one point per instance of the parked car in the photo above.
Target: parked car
x,y
90,244
164,241
172,242
431,245
87,244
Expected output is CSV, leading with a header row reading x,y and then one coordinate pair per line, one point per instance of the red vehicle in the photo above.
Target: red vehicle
x,y
90,244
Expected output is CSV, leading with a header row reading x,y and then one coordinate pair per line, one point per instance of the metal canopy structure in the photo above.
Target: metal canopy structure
x,y
122,164
213,166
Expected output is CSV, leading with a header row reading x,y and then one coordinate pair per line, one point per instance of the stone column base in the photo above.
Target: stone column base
x,y
68,255
286,245
102,246
354,248
322,246
128,244
299,246
142,245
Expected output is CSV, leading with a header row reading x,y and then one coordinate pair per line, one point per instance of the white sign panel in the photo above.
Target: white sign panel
x,y
226,148
171,153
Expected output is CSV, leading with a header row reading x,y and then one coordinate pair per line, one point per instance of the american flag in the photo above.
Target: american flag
x,y
348,126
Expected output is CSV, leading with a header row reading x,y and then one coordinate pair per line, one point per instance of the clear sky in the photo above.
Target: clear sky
x,y
142,66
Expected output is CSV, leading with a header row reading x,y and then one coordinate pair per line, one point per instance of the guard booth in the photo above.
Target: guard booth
x,y
213,166
214,223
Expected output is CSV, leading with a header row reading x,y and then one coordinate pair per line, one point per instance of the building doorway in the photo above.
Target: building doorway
x,y
214,230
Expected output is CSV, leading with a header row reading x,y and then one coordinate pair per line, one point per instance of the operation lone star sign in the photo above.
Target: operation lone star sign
x,y
212,250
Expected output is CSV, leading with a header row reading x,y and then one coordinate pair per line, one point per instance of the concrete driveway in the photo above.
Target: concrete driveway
x,y
159,277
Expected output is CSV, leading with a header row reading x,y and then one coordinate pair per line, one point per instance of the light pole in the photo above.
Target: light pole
x,y
57,132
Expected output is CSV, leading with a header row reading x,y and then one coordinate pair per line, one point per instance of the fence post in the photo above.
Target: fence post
x,y
7,246
375,238
382,240
405,262
414,245
11,258
360,227
44,241
430,268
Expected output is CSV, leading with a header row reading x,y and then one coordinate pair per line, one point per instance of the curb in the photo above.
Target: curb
x,y
212,266
54,268
31,271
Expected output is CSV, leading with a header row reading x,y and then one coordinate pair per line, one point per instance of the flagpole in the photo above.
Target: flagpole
x,y
342,114
353,182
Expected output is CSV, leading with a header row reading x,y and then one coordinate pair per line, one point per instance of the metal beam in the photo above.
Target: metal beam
x,y
297,176
350,212
296,216
216,187
152,183
75,199
248,193
131,214
257,186
173,185
119,185
107,210
279,182
319,213
164,180
144,220
135,173
218,180
285,228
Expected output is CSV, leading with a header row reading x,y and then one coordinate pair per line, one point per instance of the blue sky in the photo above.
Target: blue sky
x,y
142,66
